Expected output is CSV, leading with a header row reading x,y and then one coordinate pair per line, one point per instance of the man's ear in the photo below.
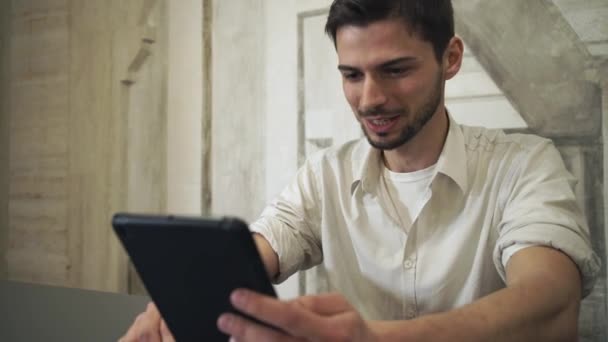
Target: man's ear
x,y
452,58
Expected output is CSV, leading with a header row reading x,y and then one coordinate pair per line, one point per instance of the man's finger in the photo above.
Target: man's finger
x,y
152,311
165,334
243,330
290,317
150,324
131,333
326,304
146,327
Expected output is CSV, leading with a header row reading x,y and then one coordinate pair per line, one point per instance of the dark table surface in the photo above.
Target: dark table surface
x,y
45,313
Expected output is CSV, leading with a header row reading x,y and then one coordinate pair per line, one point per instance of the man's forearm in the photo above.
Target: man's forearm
x,y
268,255
507,315
540,303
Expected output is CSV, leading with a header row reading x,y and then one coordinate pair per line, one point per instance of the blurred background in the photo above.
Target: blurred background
x,y
208,107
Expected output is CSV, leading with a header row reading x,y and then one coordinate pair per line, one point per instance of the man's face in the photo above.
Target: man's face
x,y
391,79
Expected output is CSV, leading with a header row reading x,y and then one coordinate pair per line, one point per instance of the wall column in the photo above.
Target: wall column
x,y
603,77
5,15
185,107
238,124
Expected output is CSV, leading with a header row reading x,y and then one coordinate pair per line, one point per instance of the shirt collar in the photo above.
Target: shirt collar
x,y
452,161
370,169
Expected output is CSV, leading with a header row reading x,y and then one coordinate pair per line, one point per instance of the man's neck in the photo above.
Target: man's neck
x,y
423,149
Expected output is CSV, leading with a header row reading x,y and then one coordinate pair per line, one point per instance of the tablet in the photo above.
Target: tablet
x,y
189,266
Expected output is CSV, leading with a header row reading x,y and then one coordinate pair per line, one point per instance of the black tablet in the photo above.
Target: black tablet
x,y
189,266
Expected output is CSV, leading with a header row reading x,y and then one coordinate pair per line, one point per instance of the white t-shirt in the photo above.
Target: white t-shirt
x,y
408,192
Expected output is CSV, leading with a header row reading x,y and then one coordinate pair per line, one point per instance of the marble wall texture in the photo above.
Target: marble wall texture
x,y
184,107
238,121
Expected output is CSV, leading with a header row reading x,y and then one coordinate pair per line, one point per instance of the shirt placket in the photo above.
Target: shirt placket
x,y
410,265
410,254
409,308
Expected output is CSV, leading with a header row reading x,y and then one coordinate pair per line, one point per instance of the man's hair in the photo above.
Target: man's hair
x,y
431,20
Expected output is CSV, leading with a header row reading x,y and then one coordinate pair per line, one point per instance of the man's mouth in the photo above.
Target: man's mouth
x,y
380,124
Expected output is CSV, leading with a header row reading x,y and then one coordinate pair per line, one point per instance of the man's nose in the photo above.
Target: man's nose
x,y
373,95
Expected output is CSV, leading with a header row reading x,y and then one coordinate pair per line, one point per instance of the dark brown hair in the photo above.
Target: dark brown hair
x,y
432,20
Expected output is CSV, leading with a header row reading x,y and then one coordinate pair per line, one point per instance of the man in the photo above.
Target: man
x,y
429,230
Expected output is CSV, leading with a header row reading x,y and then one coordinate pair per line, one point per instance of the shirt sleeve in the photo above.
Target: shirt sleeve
x,y
291,224
508,252
540,209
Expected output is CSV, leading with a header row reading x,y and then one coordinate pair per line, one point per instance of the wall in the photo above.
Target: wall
x,y
238,122
5,10
144,116
106,117
39,131
253,116
603,76
73,136
281,95
474,99
281,102
185,106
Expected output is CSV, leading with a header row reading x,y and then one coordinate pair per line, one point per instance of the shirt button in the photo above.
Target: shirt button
x,y
408,264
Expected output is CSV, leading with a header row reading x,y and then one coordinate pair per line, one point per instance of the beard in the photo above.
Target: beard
x,y
419,118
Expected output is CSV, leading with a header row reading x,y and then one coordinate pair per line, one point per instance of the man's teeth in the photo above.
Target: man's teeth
x,y
381,122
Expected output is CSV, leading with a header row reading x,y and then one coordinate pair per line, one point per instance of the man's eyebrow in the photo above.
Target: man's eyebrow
x,y
387,64
400,60
347,68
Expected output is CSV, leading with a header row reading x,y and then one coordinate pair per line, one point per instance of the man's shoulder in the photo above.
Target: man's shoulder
x,y
493,139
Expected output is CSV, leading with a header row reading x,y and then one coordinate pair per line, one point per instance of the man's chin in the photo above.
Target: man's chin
x,y
385,141
384,145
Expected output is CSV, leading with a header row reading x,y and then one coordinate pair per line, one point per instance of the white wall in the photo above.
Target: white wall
x,y
281,106
281,95
184,119
474,99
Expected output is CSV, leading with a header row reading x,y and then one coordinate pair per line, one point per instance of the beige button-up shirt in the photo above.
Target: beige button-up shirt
x,y
491,195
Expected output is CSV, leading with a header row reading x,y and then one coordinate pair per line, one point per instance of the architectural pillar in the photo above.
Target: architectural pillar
x,y
5,10
238,123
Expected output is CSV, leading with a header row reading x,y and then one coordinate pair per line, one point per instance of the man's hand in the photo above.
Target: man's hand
x,y
148,326
327,317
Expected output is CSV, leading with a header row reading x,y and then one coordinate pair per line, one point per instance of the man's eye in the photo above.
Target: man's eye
x,y
351,76
396,71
